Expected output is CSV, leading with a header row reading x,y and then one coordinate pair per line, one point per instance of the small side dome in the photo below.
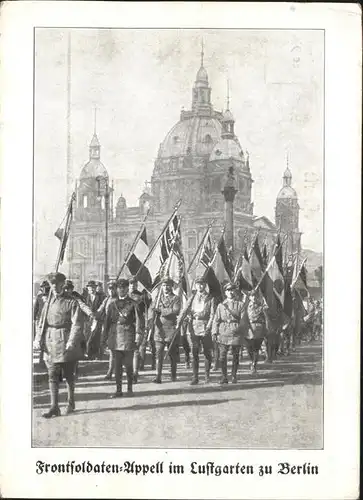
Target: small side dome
x,y
287,192
228,117
121,203
93,168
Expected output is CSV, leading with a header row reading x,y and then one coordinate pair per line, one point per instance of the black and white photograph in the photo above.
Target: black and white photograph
x,y
180,250
178,238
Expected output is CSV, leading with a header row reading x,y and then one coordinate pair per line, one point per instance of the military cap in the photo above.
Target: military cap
x,y
111,284
167,281
68,284
229,286
200,279
122,283
44,284
91,284
99,283
56,278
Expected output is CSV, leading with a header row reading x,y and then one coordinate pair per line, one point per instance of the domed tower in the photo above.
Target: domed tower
x,y
228,154
121,207
180,169
91,191
287,215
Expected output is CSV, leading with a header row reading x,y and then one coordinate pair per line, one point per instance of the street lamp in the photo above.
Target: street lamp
x,y
103,184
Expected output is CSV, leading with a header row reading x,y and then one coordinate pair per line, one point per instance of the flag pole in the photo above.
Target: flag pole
x,y
137,237
200,245
58,262
176,208
269,264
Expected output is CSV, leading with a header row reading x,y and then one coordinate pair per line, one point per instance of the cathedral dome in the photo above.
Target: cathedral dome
x,y
93,168
195,136
287,192
226,149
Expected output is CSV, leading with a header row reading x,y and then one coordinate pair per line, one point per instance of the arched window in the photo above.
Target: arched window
x,y
192,242
85,201
175,139
208,139
103,202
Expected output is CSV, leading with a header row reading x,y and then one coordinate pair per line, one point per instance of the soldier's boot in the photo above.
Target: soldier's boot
x,y
159,367
130,379
118,376
207,367
136,363
108,375
54,410
70,404
173,370
216,364
224,378
142,360
235,363
254,362
195,367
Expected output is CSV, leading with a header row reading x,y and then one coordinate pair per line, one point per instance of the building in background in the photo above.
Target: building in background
x,y
192,164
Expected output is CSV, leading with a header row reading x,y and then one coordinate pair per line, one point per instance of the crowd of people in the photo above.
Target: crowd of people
x,y
69,327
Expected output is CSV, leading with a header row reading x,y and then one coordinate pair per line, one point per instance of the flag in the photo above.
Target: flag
x,y
245,274
138,256
177,269
62,233
204,268
221,264
205,259
265,256
275,274
299,275
156,263
256,261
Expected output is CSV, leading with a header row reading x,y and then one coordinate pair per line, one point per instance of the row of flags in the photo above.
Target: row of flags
x,y
253,269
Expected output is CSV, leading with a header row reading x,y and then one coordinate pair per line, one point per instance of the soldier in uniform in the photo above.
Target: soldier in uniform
x,y
138,298
101,316
165,315
39,303
256,327
123,330
93,327
226,331
200,310
62,339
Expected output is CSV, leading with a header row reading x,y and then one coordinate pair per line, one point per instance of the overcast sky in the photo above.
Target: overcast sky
x,y
140,79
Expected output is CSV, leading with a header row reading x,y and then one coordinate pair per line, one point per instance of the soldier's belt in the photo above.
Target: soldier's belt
x,y
231,322
59,327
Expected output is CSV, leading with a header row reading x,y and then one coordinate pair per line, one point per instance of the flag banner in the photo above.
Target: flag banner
x,y
245,279
299,275
156,263
137,257
214,285
62,233
221,264
205,258
256,261
265,256
177,268
277,279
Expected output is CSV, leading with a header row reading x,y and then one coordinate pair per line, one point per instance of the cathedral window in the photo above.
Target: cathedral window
x,y
218,152
85,201
103,202
208,139
192,242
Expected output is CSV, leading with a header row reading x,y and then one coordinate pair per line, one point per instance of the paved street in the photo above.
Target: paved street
x,y
280,407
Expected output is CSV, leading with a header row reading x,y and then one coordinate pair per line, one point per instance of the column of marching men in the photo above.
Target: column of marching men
x,y
126,322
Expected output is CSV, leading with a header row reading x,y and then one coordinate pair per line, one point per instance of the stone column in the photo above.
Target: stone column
x,y
229,193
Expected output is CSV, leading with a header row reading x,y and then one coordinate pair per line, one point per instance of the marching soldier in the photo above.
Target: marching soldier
x,y
256,327
101,315
39,304
201,309
138,298
123,330
226,331
62,342
165,315
93,328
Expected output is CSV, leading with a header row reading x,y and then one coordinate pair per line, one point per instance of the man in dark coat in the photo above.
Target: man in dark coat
x,y
93,327
165,314
101,316
61,341
123,331
137,296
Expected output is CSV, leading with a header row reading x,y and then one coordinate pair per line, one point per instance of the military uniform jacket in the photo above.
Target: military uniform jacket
x,y
201,312
123,323
165,324
226,323
256,321
63,329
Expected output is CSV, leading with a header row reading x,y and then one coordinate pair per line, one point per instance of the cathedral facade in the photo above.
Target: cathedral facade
x,y
192,165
